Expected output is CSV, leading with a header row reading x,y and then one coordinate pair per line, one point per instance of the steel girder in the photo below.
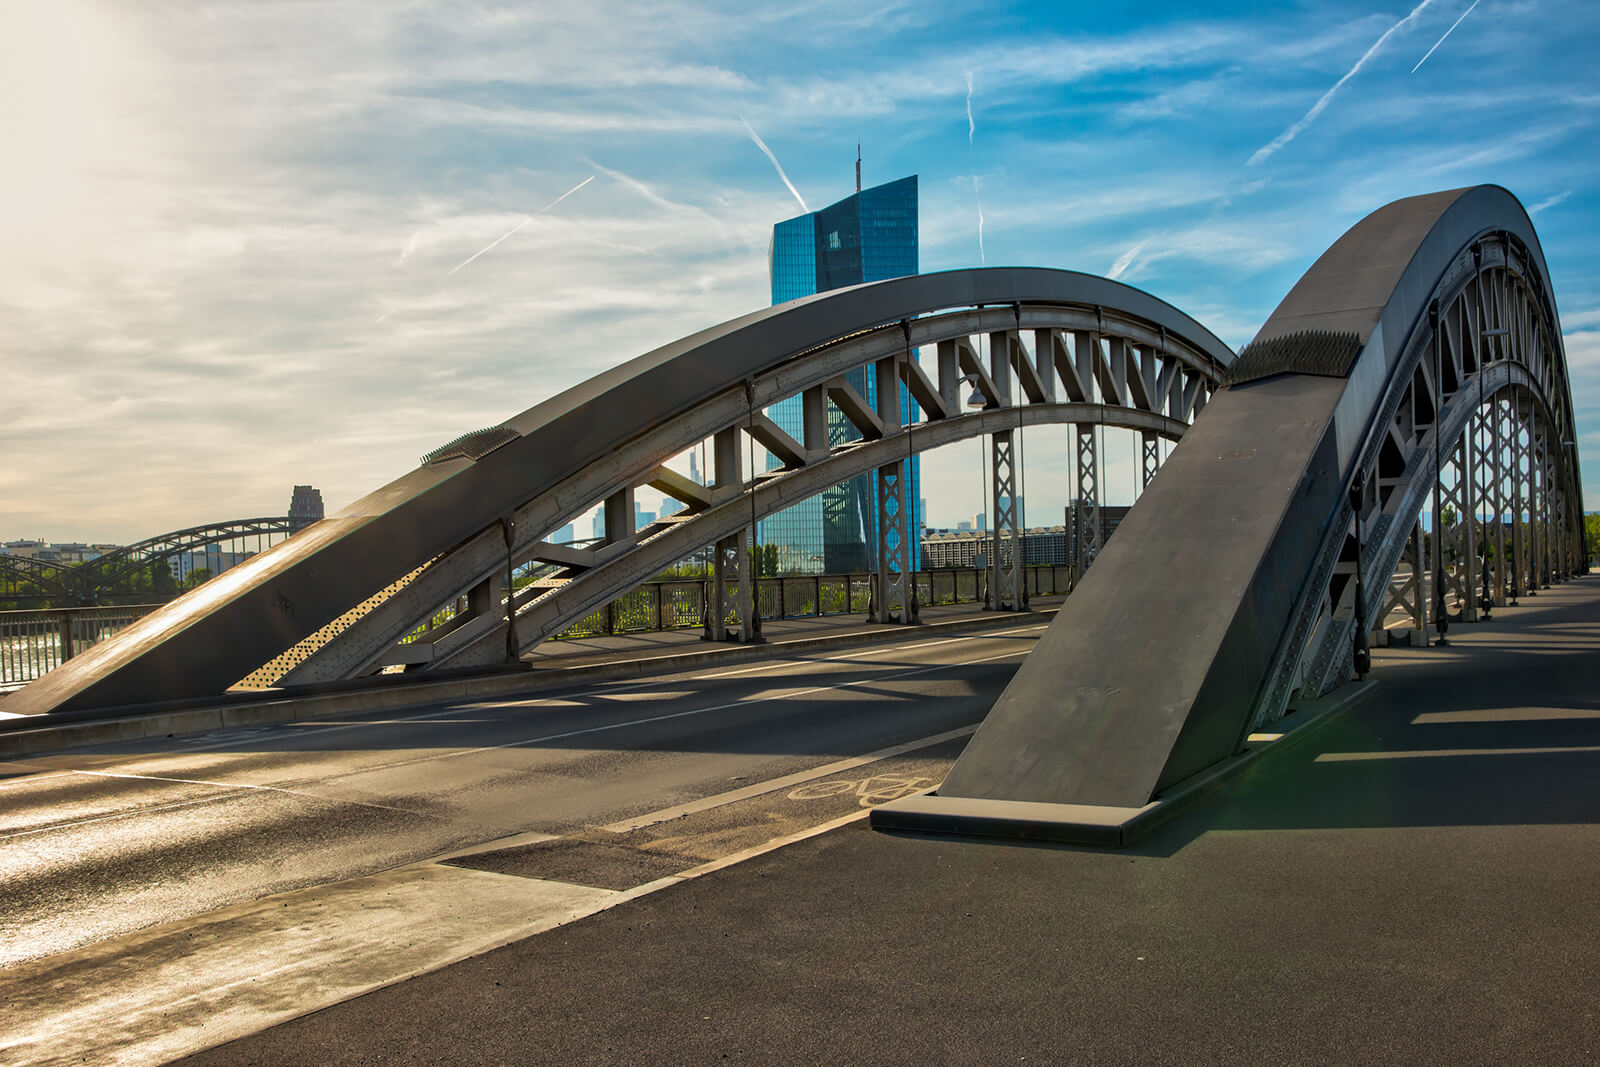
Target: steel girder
x,y
340,600
1239,568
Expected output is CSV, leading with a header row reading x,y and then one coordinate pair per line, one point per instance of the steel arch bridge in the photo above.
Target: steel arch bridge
x,y
109,576
1422,348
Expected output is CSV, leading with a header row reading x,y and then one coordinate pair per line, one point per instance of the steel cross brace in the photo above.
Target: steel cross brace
x,y
1005,564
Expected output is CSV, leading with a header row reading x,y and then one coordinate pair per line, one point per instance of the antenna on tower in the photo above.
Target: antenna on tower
x,y
858,166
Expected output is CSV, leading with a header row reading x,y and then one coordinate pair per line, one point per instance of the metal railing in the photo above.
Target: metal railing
x,y
678,605
35,642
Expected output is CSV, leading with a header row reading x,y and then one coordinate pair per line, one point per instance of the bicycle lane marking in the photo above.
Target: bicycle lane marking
x,y
772,785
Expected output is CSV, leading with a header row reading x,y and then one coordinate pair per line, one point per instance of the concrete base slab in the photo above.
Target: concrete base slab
x,y
1103,826
1073,824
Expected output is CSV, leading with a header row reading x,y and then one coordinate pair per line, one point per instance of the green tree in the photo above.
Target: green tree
x,y
198,576
1591,535
162,583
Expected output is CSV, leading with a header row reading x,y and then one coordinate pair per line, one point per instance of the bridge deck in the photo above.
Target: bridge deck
x,y
1411,883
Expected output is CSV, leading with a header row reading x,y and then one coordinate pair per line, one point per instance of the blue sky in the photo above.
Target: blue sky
x,y
231,232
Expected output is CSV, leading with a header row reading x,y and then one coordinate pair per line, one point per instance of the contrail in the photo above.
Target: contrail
x,y
660,201
779,166
1447,33
1125,260
1552,202
411,246
1316,109
521,224
972,127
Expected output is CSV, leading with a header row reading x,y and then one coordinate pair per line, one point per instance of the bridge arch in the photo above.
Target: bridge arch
x,y
337,600
1427,321
107,575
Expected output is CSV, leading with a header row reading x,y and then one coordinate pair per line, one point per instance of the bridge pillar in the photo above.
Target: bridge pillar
x,y
1540,497
1518,453
732,587
1412,596
1152,458
1496,530
1485,519
894,597
1005,561
1086,516
1458,540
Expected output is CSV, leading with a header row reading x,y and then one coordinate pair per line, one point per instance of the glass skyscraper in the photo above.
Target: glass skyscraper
x,y
867,237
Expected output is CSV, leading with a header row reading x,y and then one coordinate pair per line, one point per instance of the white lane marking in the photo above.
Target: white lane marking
x,y
116,815
29,779
74,824
874,680
772,785
249,785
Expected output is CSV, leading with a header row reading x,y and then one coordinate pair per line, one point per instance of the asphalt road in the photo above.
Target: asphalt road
x,y
1413,882
95,844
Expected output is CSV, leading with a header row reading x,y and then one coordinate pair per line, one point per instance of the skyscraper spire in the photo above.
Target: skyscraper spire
x,y
858,166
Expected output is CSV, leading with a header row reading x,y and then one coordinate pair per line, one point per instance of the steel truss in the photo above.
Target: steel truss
x,y
1086,366
1486,391
109,574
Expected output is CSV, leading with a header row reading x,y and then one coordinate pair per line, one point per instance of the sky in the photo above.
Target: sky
x,y
240,240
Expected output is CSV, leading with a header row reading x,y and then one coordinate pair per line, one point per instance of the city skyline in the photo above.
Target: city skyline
x,y
247,246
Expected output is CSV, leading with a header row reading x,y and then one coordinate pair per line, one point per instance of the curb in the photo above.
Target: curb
x,y
18,738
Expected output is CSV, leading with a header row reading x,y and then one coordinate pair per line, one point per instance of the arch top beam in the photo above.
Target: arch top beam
x,y
209,640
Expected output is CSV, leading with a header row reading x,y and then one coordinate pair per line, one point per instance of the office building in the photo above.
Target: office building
x,y
867,237
305,505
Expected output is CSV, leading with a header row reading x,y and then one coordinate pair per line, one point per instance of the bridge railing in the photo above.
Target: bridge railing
x,y
35,642
681,604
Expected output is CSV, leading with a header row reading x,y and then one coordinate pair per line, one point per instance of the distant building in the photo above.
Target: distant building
x,y
563,536
600,522
1110,518
866,237
305,506
1041,546
75,552
211,559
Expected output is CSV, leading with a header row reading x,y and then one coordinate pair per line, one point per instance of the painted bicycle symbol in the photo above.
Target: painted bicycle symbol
x,y
878,789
